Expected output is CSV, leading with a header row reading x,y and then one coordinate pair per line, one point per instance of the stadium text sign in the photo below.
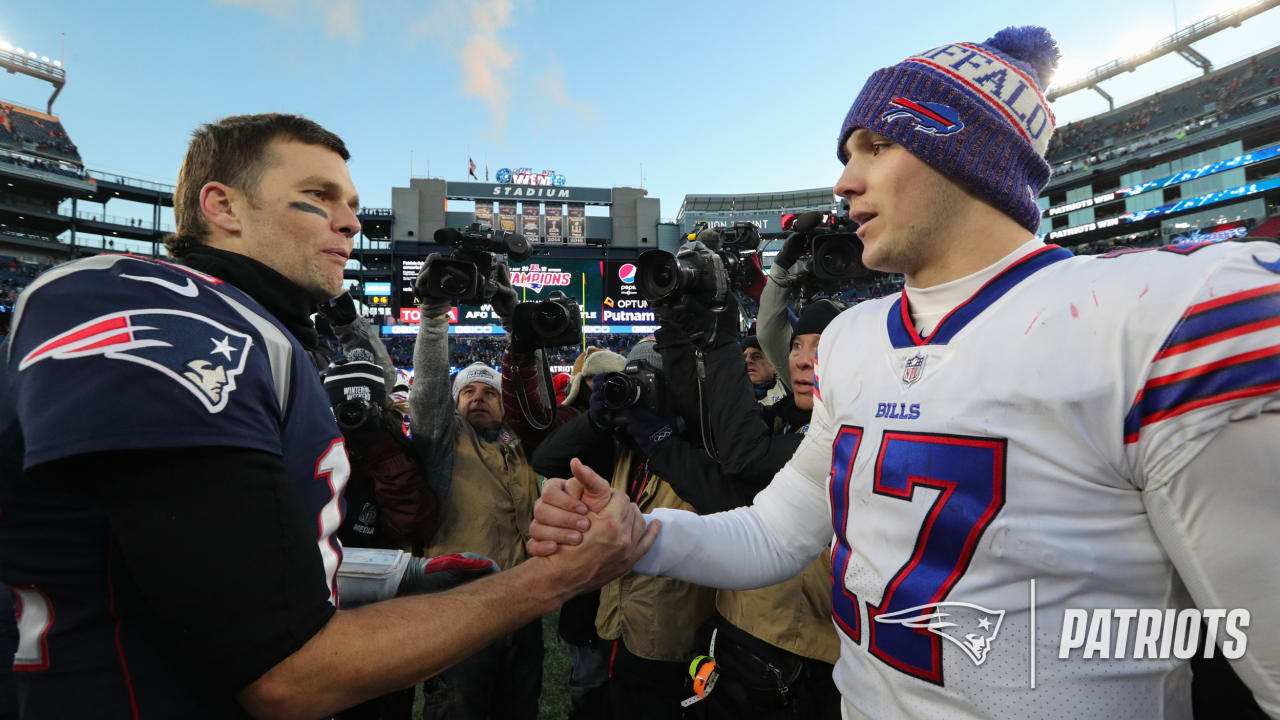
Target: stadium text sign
x,y
551,193
535,277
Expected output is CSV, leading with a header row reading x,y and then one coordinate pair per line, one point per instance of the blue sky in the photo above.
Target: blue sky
x,y
706,97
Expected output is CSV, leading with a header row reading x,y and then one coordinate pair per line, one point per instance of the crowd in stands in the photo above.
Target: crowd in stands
x,y
36,163
29,131
1168,115
15,275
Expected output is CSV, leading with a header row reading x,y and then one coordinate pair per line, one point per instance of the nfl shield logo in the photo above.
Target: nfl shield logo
x,y
913,369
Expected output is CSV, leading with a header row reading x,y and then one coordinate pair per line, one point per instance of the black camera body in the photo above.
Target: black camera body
x,y
470,275
357,415
554,322
707,267
662,277
636,386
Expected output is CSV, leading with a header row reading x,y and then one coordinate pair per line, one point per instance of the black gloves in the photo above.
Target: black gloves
x,y
600,416
504,299
340,310
792,249
431,306
648,428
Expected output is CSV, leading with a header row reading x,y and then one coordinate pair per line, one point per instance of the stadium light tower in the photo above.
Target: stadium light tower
x,y
1179,42
15,60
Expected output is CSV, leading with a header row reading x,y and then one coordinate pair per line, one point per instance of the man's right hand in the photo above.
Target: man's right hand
x,y
589,532
431,306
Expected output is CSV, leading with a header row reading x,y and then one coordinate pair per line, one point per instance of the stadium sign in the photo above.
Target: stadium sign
x,y
535,277
766,222
526,176
504,191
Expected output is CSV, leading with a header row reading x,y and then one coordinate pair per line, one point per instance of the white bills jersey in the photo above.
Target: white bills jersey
x,y
1015,443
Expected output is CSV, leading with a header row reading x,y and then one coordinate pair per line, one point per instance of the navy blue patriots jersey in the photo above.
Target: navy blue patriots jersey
x,y
122,353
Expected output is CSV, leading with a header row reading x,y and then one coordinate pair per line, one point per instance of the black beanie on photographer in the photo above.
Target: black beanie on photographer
x,y
816,318
358,379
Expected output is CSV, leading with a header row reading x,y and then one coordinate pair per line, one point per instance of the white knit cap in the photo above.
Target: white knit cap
x,y
476,372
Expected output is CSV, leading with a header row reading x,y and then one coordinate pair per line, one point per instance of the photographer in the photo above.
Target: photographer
x,y
775,647
650,621
486,489
389,504
820,257
768,387
532,416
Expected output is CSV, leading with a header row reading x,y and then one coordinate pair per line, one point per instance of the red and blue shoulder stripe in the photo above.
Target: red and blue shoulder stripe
x,y
1239,359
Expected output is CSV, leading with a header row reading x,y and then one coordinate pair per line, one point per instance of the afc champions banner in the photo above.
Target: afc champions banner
x,y
554,224
577,224
507,216
484,213
529,225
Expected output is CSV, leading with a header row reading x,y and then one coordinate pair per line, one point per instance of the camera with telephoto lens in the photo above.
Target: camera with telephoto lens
x,y
554,322
636,386
711,263
470,275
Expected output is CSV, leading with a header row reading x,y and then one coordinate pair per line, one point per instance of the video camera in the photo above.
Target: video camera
x,y
731,263
470,275
553,322
831,253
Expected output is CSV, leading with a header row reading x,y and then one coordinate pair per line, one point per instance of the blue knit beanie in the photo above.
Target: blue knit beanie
x,y
974,112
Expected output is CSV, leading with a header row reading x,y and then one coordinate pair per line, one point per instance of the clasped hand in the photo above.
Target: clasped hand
x,y
594,530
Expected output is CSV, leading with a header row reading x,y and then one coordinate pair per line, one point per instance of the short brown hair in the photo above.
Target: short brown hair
x,y
233,151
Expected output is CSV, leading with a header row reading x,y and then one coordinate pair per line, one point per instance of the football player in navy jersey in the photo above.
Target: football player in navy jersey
x,y
1020,438
168,540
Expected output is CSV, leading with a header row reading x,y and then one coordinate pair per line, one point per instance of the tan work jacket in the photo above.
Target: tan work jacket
x,y
794,615
491,500
655,617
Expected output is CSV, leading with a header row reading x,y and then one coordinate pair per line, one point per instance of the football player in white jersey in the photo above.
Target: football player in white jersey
x,y
1106,427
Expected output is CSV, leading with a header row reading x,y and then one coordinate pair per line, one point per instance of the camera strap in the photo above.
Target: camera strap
x,y
546,385
704,412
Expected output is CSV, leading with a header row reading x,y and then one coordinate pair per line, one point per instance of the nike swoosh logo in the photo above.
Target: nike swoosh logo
x,y
189,290
1273,266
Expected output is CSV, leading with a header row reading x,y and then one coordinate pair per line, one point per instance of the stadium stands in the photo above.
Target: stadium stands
x,y
1239,90
34,132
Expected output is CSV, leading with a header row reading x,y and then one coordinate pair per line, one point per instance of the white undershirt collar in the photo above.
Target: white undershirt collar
x,y
930,305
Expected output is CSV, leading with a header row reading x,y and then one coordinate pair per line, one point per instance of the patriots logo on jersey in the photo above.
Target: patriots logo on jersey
x,y
931,117
199,354
971,627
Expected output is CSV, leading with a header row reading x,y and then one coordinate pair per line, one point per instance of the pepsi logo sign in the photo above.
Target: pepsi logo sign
x,y
627,273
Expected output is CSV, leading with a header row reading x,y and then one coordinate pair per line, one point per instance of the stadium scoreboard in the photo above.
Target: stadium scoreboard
x,y
605,290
